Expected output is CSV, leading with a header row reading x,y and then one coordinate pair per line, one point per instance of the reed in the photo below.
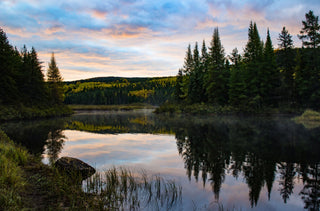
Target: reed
x,y
122,189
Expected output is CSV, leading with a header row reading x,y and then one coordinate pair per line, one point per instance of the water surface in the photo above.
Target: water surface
x,y
230,162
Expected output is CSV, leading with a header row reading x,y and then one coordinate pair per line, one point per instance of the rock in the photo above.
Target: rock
x,y
74,166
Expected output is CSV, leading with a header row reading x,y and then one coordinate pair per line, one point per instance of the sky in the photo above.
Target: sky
x,y
140,38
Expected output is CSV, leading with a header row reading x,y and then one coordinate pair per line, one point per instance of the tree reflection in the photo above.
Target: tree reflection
x,y
311,190
287,175
54,144
256,150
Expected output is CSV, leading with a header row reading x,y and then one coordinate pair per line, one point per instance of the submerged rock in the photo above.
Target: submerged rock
x,y
74,166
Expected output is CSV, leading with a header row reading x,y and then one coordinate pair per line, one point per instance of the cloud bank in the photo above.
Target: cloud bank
x,y
139,37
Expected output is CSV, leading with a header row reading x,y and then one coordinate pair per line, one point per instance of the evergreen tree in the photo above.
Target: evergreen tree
x,y
253,62
8,71
188,61
269,76
216,83
178,93
310,36
204,63
310,33
286,65
187,68
285,39
195,86
55,82
236,81
235,57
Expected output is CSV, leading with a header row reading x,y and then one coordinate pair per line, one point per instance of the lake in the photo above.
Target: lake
x,y
225,162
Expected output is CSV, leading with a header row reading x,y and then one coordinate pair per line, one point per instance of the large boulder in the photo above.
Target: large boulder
x,y
74,167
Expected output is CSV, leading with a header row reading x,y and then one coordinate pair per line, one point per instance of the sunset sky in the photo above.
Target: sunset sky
x,y
140,38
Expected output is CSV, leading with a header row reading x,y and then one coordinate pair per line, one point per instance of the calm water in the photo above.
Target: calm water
x,y
231,162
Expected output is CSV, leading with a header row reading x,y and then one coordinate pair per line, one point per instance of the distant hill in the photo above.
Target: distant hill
x,y
119,90
111,79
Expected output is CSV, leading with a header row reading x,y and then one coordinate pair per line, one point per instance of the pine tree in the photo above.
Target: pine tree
x,y
310,33
285,39
187,68
216,82
253,64
235,57
188,61
178,93
269,75
55,82
195,86
204,63
8,71
310,36
286,65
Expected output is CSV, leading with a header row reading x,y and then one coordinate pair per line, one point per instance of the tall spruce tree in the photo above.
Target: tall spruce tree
x,y
55,82
286,64
310,36
269,75
195,87
8,71
216,82
178,92
204,63
253,64
236,81
187,69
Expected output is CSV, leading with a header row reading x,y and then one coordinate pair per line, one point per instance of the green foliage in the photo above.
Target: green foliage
x,y
55,82
218,74
22,112
310,119
261,79
24,94
11,180
145,90
310,33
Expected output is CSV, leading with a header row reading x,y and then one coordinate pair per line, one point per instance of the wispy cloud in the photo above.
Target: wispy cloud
x,y
139,37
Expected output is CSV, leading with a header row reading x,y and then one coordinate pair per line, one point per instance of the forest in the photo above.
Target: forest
x,y
261,77
116,90
24,91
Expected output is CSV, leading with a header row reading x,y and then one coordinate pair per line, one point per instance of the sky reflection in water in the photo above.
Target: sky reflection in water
x,y
158,154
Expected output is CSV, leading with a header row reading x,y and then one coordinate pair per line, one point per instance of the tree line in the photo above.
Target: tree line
x,y
22,80
114,90
261,77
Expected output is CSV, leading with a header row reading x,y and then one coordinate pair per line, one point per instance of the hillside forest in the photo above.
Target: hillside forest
x,y
261,77
116,90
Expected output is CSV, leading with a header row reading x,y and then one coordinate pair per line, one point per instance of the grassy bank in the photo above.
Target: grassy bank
x,y
12,182
28,184
310,119
22,112
111,107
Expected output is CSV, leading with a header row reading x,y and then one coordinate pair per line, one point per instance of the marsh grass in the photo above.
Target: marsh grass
x,y
11,178
122,189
